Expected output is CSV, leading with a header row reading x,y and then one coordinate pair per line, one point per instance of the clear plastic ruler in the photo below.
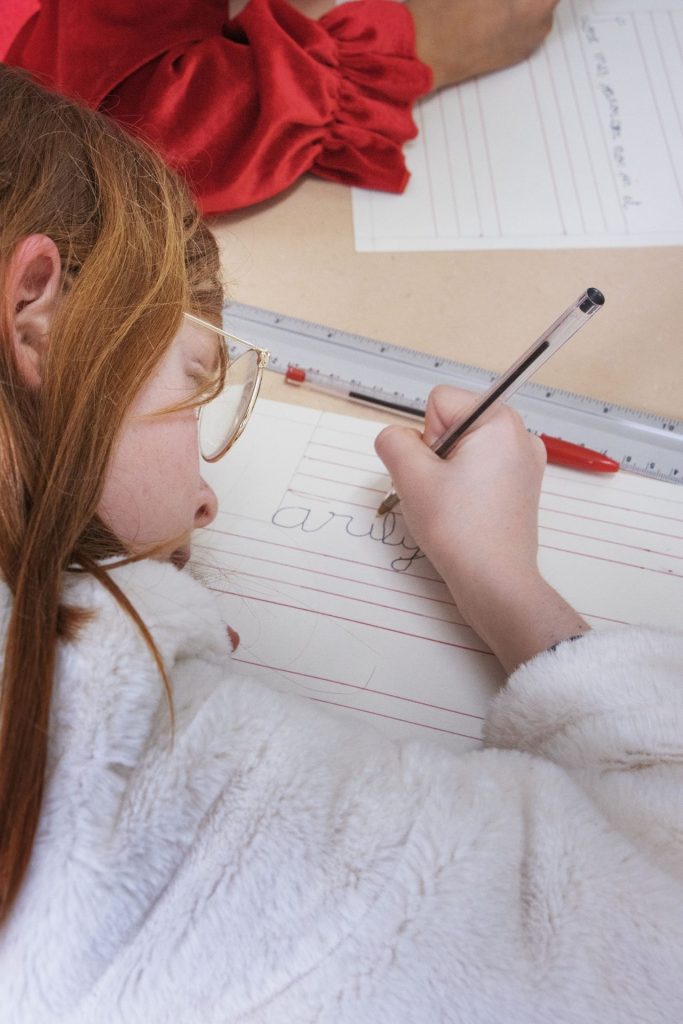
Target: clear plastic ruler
x,y
380,372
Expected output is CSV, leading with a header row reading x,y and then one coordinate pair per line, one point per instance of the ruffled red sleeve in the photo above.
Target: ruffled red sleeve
x,y
243,108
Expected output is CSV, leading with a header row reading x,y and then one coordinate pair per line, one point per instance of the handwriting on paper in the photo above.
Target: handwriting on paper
x,y
607,90
387,530
580,145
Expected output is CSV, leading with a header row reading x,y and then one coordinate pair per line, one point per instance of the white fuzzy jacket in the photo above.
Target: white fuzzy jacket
x,y
274,864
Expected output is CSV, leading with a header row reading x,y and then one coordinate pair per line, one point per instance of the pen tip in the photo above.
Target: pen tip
x,y
389,502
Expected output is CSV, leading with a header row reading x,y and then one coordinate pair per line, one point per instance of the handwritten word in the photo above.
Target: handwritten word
x,y
386,530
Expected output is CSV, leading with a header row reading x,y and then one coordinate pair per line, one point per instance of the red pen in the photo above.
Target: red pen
x,y
560,453
575,456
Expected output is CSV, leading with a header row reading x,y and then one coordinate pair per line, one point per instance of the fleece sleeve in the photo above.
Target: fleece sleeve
x,y
609,710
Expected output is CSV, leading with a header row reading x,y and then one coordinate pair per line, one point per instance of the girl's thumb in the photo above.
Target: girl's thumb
x,y
403,452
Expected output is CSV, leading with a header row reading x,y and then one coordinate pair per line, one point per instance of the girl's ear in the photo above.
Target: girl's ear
x,y
34,286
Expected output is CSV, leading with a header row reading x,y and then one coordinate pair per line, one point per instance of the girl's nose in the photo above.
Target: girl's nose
x,y
208,505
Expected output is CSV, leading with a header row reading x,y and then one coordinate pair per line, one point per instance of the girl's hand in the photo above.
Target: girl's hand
x,y
459,39
475,515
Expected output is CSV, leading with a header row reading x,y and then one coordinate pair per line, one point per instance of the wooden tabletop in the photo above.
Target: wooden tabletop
x,y
296,255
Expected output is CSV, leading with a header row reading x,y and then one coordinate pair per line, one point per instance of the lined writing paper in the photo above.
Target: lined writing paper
x,y
343,608
581,145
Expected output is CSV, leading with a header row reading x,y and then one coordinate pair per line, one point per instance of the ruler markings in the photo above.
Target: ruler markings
x,y
641,442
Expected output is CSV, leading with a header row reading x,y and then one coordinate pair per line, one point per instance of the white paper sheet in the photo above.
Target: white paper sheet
x,y
339,606
581,145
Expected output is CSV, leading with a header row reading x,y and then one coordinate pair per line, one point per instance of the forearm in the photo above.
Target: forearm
x,y
475,516
517,617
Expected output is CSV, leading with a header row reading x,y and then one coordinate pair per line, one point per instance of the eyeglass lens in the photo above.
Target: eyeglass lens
x,y
222,417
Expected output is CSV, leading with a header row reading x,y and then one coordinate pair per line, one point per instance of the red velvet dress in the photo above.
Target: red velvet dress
x,y
242,106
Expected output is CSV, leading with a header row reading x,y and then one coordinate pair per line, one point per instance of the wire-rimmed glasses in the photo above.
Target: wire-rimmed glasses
x,y
222,420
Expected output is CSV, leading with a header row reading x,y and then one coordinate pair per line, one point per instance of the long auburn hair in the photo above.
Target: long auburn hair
x,y
134,255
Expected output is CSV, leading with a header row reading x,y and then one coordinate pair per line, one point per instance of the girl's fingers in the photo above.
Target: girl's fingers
x,y
446,406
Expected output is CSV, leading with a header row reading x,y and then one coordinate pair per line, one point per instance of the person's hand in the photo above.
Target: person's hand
x,y
460,39
475,516
478,508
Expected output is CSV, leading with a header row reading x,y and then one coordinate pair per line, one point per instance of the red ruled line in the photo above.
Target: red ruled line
x,y
395,718
575,515
339,448
356,686
355,622
614,484
610,522
329,575
343,465
324,554
614,561
346,597
543,508
344,483
329,497
550,547
619,508
588,501
352,561
604,540
365,436
591,501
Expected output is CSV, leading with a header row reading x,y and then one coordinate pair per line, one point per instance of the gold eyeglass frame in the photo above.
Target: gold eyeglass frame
x,y
263,355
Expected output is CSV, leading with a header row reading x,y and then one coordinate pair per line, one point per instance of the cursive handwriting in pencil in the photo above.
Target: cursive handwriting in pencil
x,y
386,530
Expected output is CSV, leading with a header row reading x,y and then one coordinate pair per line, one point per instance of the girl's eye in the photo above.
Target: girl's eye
x,y
200,377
